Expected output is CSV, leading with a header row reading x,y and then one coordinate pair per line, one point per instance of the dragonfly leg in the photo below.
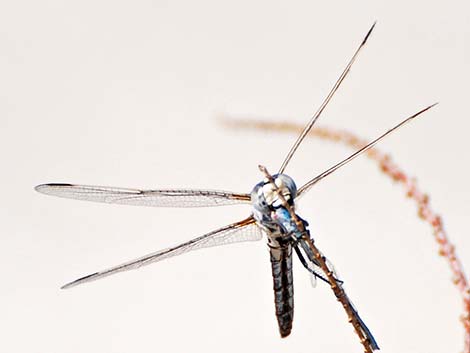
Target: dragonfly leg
x,y
313,264
305,264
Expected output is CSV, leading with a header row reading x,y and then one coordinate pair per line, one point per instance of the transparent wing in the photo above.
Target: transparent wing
x,y
330,95
153,198
345,161
245,230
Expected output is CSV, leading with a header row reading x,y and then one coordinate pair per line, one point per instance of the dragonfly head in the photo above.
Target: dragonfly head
x,y
265,198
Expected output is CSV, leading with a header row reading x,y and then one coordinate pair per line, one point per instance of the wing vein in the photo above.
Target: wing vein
x,y
245,230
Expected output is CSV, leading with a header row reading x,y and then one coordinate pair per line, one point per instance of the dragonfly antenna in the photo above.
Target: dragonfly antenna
x,y
360,151
325,103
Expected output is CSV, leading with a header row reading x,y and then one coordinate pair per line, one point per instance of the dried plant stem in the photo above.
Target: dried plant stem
x,y
391,169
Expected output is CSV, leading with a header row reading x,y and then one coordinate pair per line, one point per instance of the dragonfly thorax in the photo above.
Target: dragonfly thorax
x,y
268,210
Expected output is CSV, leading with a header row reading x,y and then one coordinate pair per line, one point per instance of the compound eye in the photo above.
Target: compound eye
x,y
257,197
288,183
265,197
272,196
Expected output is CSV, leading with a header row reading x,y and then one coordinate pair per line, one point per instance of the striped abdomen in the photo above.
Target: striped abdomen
x,y
281,264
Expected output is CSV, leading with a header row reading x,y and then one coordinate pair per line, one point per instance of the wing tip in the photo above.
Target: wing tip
x,y
79,281
42,187
369,33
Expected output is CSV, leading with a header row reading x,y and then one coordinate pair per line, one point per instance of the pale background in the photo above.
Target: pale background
x,y
126,94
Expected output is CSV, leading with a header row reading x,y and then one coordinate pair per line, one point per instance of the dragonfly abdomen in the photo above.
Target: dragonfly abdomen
x,y
281,264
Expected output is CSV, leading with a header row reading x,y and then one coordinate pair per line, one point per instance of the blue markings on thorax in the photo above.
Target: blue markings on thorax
x,y
284,219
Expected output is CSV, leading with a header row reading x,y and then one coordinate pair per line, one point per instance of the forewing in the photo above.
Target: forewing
x,y
360,151
152,198
245,230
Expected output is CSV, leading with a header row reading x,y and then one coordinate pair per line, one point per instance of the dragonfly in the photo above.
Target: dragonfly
x,y
272,202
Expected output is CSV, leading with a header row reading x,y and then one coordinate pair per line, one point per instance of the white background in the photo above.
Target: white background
x,y
126,94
